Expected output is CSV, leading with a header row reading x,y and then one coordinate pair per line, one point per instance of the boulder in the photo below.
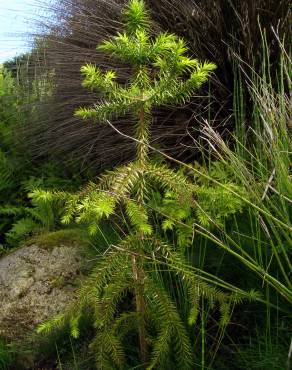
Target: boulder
x,y
36,283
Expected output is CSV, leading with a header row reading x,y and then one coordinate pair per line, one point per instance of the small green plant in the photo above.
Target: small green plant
x,y
7,355
162,74
31,218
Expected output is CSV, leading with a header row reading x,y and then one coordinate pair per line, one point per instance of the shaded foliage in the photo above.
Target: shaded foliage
x,y
19,172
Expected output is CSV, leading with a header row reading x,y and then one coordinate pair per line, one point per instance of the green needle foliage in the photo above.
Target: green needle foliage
x,y
162,74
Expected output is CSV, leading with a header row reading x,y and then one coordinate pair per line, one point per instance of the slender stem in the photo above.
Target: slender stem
x,y
142,135
139,276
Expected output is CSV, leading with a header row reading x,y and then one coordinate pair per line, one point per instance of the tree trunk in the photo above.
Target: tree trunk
x,y
139,276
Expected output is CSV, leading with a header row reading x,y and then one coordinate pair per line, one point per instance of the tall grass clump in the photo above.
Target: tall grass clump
x,y
260,239
261,162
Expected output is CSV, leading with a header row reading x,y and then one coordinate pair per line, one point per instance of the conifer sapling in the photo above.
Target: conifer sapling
x,y
162,74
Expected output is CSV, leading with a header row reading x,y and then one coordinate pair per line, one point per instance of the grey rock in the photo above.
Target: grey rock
x,y
36,284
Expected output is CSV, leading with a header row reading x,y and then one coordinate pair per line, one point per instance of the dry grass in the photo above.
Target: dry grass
x,y
214,31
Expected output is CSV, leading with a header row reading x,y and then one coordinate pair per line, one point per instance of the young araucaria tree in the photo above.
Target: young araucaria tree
x,y
162,74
